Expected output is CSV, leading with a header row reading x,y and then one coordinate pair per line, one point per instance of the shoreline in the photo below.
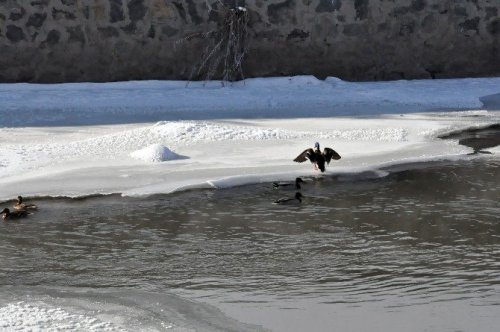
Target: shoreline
x,y
364,174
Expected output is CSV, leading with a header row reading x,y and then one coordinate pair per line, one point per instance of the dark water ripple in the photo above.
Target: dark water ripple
x,y
423,235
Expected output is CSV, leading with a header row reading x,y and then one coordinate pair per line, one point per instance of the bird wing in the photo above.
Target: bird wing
x,y
307,154
330,154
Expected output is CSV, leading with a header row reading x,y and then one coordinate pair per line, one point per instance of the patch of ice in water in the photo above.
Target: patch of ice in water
x,y
22,316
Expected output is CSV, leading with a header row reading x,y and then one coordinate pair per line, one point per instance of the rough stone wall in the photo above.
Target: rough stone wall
x,y
109,40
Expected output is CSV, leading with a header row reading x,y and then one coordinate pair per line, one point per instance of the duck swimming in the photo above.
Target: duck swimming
x,y
23,206
298,181
14,214
317,157
288,201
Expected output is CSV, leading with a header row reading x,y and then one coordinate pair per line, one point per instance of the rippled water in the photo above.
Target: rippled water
x,y
418,249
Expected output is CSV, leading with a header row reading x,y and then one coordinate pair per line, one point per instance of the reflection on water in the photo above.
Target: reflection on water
x,y
477,138
419,236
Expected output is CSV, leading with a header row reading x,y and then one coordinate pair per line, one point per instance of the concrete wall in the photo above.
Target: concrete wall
x,y
108,40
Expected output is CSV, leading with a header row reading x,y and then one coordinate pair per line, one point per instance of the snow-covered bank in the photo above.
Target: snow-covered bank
x,y
250,133
24,105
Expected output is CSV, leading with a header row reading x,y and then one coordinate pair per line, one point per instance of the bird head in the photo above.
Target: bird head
x,y
316,146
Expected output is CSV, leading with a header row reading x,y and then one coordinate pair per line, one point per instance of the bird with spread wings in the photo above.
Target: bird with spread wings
x,y
317,157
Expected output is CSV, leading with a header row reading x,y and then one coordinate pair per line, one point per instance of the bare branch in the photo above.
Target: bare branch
x,y
226,46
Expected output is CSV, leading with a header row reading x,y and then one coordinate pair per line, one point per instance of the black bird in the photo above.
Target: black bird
x,y
298,181
317,157
14,214
288,201
23,206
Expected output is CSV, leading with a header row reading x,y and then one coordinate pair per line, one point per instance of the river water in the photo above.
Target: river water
x,y
416,250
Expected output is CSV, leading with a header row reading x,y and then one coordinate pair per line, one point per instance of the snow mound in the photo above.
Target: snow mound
x,y
155,153
22,316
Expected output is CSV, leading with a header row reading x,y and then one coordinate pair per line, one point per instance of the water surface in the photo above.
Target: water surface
x,y
416,250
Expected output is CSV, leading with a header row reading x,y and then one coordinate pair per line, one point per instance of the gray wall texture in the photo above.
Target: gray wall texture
x,y
110,40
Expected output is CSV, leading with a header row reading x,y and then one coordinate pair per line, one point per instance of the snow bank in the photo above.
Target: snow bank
x,y
284,97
